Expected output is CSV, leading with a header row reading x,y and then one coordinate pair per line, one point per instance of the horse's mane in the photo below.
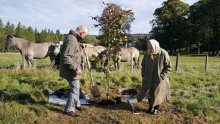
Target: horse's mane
x,y
16,36
12,35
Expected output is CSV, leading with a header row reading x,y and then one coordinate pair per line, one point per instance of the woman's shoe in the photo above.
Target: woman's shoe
x,y
72,114
80,109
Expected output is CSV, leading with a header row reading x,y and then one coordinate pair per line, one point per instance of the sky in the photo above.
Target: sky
x,y
68,14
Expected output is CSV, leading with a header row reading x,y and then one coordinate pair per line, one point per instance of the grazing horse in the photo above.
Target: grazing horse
x,y
57,45
87,45
30,50
126,55
92,52
100,49
103,56
55,60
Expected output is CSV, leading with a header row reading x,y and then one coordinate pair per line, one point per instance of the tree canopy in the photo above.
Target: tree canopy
x,y
169,24
114,24
178,26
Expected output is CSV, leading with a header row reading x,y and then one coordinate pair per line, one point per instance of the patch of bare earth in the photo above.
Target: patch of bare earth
x,y
119,114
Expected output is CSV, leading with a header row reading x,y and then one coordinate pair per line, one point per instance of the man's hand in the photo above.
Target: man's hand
x,y
78,71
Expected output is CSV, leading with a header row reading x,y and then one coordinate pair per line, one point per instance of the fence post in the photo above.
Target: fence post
x,y
131,56
206,63
177,61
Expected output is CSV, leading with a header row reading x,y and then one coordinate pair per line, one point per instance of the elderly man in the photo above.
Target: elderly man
x,y
70,68
156,66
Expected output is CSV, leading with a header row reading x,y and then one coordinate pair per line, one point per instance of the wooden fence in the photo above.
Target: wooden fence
x,y
205,62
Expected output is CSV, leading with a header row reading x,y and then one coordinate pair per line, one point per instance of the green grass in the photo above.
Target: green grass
x,y
23,94
196,64
11,60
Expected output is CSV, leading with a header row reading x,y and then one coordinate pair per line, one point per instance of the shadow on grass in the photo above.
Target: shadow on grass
x,y
55,108
11,67
19,67
123,105
34,98
15,95
22,98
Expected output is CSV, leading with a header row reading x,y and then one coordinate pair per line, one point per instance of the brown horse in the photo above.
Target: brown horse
x,y
30,50
126,55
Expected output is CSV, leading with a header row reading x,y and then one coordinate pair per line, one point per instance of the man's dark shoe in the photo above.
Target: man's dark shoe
x,y
72,114
150,109
80,108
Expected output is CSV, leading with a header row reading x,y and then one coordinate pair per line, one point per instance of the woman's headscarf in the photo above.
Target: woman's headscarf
x,y
155,45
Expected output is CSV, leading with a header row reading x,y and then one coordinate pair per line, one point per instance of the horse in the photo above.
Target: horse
x,y
86,45
100,49
92,52
57,45
126,55
30,50
103,56
55,60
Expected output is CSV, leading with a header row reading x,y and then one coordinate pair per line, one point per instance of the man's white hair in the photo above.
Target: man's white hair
x,y
82,28
155,45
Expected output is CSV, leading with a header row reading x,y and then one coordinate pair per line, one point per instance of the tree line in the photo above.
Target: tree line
x,y
180,27
177,26
33,35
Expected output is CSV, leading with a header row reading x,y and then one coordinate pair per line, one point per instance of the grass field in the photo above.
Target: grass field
x,y
24,94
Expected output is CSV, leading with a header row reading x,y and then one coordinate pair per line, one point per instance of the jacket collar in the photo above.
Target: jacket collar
x,y
71,32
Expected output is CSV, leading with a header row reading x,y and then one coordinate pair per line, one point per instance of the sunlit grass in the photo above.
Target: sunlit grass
x,y
23,94
14,59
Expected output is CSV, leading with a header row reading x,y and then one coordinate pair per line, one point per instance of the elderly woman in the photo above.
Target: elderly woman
x,y
156,66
